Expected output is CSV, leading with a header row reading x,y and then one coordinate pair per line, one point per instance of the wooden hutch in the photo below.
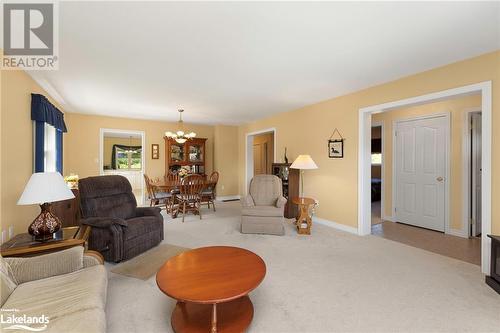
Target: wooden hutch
x,y
191,153
290,181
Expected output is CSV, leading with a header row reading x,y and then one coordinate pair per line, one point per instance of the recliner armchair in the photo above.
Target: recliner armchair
x,y
120,229
263,208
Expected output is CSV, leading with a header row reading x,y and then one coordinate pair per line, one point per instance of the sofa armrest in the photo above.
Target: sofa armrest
x,y
281,202
148,211
103,222
92,258
46,265
247,201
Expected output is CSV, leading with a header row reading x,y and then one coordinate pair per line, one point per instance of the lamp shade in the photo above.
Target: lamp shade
x,y
45,187
304,162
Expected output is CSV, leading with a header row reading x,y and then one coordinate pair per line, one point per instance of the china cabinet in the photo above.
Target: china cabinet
x,y
290,182
191,153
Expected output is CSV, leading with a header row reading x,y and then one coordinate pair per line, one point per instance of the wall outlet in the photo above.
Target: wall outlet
x,y
11,232
222,187
4,236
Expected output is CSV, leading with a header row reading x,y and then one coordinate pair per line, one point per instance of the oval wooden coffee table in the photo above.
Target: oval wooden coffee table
x,y
211,286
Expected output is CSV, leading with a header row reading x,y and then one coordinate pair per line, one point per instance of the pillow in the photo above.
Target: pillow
x,y
7,281
47,265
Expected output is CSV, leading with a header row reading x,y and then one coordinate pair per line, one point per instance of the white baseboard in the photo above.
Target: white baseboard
x,y
335,225
457,232
228,197
389,218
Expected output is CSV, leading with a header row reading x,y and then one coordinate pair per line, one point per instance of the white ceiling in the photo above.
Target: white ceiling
x,y
236,62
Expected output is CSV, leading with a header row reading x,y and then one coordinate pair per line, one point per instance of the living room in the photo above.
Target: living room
x,y
298,72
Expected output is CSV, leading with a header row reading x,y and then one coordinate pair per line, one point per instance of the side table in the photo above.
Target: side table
x,y
303,221
23,245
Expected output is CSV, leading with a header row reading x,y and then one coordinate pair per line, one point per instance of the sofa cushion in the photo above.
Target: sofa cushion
x,y
47,265
140,226
64,297
263,211
7,281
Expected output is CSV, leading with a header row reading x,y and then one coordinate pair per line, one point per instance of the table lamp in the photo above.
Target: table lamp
x,y
43,188
303,162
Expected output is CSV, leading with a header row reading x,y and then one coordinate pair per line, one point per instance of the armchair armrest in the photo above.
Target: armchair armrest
x,y
103,222
147,211
92,258
247,201
47,265
281,202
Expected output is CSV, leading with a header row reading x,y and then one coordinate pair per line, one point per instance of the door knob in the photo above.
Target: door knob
x,y
440,179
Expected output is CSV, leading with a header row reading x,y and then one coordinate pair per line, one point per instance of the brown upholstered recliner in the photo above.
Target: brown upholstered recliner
x,y
263,208
120,229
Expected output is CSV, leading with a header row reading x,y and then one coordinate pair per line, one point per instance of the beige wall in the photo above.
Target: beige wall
x,y
306,130
110,141
81,155
16,147
226,159
456,107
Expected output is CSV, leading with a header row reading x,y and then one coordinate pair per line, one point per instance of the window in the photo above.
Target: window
x,y
376,159
50,151
128,159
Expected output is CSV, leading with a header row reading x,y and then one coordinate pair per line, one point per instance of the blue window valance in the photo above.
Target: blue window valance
x,y
44,111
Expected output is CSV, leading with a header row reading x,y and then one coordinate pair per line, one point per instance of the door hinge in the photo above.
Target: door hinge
x,y
395,133
395,209
471,221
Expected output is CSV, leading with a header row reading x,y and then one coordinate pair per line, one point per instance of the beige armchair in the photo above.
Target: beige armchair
x,y
262,208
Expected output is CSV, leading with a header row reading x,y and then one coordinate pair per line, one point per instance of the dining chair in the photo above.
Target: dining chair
x,y
155,197
209,192
189,197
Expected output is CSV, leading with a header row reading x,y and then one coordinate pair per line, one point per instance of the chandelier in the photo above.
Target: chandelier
x,y
180,136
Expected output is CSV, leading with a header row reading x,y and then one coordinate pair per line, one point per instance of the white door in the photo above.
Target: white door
x,y
476,173
420,165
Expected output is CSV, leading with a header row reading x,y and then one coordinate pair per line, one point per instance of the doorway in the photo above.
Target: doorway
x,y
122,153
260,153
483,89
377,174
473,172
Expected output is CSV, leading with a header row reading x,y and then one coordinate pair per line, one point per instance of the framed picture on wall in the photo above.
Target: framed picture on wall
x,y
155,151
336,148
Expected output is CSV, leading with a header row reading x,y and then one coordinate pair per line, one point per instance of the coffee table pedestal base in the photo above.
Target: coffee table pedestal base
x,y
234,316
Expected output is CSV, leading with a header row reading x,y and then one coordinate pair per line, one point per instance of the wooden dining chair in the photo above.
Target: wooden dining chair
x,y
208,194
189,197
156,198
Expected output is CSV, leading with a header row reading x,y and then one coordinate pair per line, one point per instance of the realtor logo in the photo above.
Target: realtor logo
x,y
29,35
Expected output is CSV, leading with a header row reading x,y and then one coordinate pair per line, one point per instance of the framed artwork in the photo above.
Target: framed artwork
x,y
336,148
155,151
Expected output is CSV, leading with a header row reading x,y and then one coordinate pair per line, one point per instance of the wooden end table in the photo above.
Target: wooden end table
x,y
211,286
23,245
303,222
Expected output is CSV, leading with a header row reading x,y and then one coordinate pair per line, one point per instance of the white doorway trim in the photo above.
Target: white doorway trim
x,y
249,153
466,171
120,131
364,158
382,169
447,116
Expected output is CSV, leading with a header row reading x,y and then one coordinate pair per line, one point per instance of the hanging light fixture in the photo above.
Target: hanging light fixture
x,y
130,150
180,136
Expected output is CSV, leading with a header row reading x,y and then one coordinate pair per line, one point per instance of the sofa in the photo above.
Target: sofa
x,y
68,288
263,208
120,230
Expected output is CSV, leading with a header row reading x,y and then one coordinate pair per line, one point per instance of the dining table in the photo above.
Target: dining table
x,y
173,186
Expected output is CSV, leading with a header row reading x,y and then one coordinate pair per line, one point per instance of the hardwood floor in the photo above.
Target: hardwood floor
x,y
468,250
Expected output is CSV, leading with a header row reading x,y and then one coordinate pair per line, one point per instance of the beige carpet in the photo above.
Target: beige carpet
x,y
330,281
147,264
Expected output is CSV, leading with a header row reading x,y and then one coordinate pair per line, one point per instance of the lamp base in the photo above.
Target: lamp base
x,y
44,225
